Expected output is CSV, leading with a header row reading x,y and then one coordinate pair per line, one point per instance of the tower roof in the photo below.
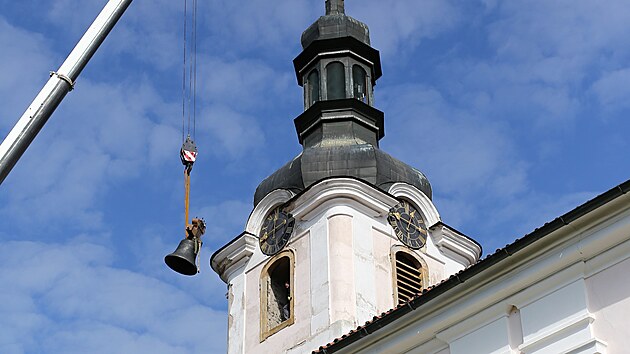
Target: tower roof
x,y
339,130
335,24
364,161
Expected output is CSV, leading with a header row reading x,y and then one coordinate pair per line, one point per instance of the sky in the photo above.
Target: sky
x,y
517,111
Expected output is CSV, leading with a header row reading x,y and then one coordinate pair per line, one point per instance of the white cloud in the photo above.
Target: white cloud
x,y
462,156
107,132
101,135
246,85
229,133
225,220
150,30
260,25
536,58
400,26
25,61
73,294
538,30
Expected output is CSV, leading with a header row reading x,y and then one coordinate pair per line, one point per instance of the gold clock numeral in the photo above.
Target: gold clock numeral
x,y
408,224
276,231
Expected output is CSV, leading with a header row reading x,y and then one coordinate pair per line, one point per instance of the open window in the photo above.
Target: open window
x,y
410,275
313,87
359,83
276,294
335,81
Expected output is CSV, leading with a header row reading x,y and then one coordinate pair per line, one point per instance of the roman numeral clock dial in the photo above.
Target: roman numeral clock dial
x,y
408,225
275,231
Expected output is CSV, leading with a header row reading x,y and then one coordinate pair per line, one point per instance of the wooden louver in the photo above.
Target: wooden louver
x,y
408,277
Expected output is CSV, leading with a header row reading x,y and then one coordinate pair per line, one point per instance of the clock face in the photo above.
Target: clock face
x,y
408,225
275,231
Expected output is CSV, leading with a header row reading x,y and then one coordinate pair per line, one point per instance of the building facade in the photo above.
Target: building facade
x,y
561,289
345,246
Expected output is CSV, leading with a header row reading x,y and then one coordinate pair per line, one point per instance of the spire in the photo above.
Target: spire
x,y
335,7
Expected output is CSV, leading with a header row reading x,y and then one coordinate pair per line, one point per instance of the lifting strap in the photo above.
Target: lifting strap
x,y
188,155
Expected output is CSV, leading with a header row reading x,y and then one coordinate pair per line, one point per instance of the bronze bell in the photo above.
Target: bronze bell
x,y
184,259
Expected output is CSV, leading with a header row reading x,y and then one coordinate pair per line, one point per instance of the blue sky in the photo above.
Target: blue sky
x,y
517,111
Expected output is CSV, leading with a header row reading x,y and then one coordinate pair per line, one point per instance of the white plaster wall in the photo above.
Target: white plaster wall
x,y
252,308
383,271
300,330
320,283
491,338
556,322
437,263
236,320
444,351
365,268
342,280
609,301
552,308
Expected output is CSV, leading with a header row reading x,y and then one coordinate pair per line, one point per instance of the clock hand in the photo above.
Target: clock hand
x,y
409,223
273,230
279,226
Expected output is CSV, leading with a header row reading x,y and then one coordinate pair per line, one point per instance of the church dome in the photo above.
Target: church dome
x,y
362,161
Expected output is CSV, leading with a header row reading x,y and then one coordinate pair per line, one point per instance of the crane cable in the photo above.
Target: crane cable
x,y
188,152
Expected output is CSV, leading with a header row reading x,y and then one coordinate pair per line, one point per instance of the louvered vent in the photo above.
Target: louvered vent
x,y
408,277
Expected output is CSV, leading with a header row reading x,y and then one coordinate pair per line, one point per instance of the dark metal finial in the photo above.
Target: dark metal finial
x,y
335,7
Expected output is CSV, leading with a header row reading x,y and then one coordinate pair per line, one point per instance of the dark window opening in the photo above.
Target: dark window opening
x,y
359,83
313,87
278,293
335,81
408,277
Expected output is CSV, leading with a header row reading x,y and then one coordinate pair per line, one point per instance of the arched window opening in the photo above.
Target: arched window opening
x,y
313,87
277,295
335,81
359,83
409,274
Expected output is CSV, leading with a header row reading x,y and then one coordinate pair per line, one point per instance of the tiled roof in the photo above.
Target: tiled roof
x,y
380,321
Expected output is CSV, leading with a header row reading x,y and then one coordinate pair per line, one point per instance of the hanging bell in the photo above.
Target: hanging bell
x,y
184,259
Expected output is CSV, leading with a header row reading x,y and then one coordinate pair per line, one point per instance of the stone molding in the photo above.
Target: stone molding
x,y
234,256
270,201
425,204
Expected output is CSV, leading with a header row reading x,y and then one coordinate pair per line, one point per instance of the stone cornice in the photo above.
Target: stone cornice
x,y
270,201
455,245
234,256
412,193
341,188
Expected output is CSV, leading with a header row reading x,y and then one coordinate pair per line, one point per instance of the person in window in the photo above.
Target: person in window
x,y
285,302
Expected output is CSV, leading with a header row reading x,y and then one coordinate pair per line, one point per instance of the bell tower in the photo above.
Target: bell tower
x,y
343,232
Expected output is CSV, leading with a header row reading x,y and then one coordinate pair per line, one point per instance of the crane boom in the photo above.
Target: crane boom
x,y
60,83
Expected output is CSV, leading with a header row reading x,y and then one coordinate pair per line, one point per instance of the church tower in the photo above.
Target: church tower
x,y
344,231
